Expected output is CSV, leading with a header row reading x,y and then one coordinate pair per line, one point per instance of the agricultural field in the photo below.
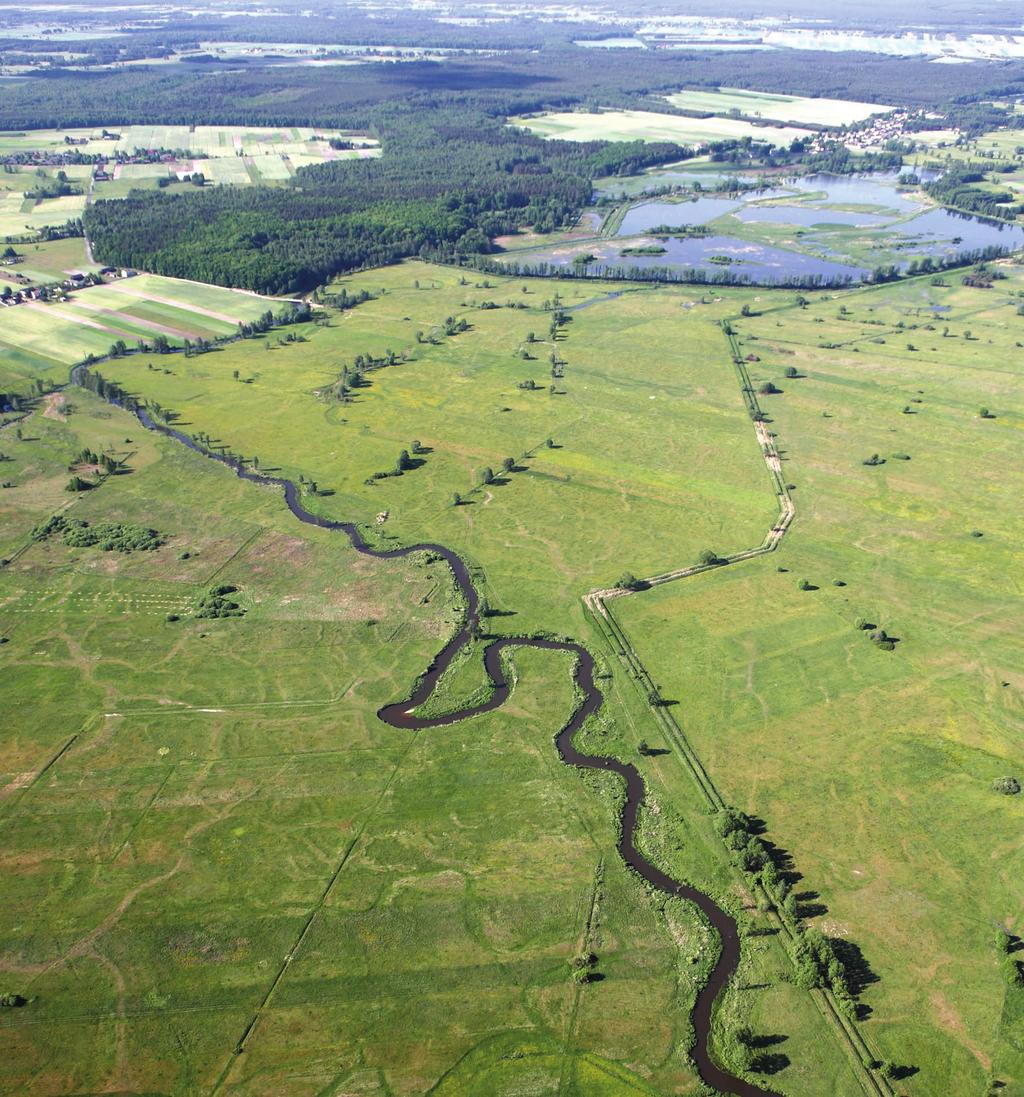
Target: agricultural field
x,y
24,214
633,125
875,768
797,109
223,155
206,142
46,338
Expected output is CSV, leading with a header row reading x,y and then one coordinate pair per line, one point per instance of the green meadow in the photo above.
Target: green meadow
x,y
875,768
223,874
780,108
649,439
642,125
226,875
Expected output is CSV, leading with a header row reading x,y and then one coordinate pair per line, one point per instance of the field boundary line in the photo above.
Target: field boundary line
x,y
318,906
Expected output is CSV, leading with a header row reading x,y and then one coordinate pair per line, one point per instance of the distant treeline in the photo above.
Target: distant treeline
x,y
509,84
721,276
452,175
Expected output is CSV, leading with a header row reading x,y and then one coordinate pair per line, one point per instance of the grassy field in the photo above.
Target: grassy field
x,y
632,125
779,108
47,338
48,261
383,907
874,769
227,816
642,429
220,834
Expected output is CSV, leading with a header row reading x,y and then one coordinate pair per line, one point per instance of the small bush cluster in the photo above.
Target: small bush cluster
x,y
216,603
1012,969
1008,786
878,636
109,536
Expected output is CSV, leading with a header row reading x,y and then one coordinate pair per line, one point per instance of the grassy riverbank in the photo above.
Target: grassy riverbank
x,y
199,812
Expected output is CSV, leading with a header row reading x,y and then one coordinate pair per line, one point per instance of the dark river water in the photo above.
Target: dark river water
x,y
400,715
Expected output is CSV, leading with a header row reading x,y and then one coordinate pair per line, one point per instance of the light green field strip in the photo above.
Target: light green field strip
x,y
227,305
268,167
632,125
781,108
208,141
19,215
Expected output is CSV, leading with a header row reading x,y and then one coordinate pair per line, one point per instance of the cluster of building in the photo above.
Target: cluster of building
x,y
57,291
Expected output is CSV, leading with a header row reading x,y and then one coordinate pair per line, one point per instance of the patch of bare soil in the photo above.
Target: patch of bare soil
x,y
53,407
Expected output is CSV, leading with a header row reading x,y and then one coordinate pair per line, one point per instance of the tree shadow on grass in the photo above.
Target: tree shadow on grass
x,y
768,1041
769,1062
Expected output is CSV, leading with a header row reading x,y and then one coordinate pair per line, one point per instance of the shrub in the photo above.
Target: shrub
x,y
874,459
110,536
768,388
791,371
984,413
805,584
1008,786
11,1001
708,557
730,820
628,581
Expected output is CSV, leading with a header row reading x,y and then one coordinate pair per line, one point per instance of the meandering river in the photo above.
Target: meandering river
x,y
401,715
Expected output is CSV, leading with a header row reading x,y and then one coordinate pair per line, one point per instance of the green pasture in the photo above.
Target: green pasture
x,y
434,885
643,427
780,108
873,768
633,125
48,261
208,833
